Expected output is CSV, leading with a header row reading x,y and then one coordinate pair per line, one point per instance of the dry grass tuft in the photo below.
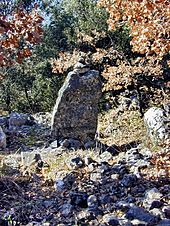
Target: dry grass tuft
x,y
123,128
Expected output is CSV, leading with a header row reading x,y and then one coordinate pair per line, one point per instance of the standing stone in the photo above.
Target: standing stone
x,y
76,110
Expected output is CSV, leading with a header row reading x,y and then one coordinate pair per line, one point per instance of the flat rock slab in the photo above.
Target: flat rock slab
x,y
76,110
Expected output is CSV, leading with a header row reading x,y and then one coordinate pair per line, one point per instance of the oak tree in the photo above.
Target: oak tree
x,y
148,20
20,30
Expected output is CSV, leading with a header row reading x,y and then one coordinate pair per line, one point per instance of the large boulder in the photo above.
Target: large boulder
x,y
158,124
2,139
76,110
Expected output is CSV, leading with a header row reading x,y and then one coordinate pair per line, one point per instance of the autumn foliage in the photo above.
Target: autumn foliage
x,y
117,70
18,33
148,23
148,20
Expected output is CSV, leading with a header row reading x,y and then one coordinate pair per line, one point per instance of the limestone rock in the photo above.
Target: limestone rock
x,y
19,119
92,201
79,199
129,180
164,222
2,139
153,194
66,209
81,68
43,118
110,219
76,109
166,210
28,158
3,121
12,161
106,156
54,144
157,124
75,162
141,214
59,185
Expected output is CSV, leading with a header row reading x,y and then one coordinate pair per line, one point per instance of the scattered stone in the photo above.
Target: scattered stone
x,y
132,156
119,169
18,119
65,143
88,160
54,144
89,144
95,176
152,199
164,222
146,153
70,143
166,211
125,222
107,190
105,199
48,203
59,185
75,163
136,222
106,156
141,214
113,150
103,168
123,205
115,176
153,194
94,213
79,199
157,212
129,180
12,162
89,215
43,118
28,158
92,201
74,144
155,204
92,166
66,209
110,219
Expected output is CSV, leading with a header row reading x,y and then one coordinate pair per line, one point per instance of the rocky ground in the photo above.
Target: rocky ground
x,y
112,182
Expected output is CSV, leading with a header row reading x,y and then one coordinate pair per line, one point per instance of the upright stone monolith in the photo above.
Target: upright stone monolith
x,y
76,110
